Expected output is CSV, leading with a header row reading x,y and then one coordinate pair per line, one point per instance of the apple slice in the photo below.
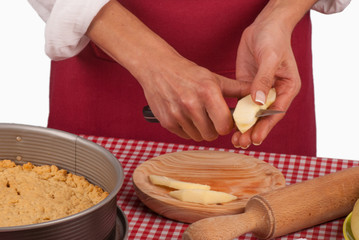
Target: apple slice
x,y
244,114
202,196
176,184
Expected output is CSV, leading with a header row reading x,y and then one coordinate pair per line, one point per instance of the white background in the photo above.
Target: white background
x,y
24,74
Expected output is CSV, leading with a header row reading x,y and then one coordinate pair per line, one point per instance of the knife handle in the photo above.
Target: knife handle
x,y
148,115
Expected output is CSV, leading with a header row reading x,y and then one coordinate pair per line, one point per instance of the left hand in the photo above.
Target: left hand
x,y
265,59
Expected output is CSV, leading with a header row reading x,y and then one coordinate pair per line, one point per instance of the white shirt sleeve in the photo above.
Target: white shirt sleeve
x,y
66,24
330,6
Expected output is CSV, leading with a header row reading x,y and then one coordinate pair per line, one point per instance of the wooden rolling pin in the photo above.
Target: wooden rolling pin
x,y
285,210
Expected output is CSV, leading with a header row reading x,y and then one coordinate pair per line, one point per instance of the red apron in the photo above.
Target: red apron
x,y
92,94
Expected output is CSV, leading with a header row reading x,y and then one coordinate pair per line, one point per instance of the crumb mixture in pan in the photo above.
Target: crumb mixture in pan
x,y
33,194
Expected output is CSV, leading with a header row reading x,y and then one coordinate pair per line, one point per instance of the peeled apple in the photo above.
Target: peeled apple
x,y
244,114
355,220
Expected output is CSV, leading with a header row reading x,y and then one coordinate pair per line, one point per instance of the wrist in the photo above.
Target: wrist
x,y
284,13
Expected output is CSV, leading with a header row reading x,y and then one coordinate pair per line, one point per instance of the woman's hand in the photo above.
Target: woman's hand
x,y
265,59
187,99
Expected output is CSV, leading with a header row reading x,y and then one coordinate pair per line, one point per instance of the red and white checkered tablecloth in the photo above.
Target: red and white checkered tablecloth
x,y
145,224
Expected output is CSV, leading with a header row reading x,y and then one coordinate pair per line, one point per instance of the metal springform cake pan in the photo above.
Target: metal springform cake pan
x,y
44,146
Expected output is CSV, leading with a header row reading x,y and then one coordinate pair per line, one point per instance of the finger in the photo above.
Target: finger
x,y
284,97
175,122
219,113
265,77
173,127
204,124
287,88
235,139
216,106
266,124
232,87
179,132
187,126
190,129
184,130
240,140
263,127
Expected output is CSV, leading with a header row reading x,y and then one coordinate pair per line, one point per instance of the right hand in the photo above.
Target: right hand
x,y
188,99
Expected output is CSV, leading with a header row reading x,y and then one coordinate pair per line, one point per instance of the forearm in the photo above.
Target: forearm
x,y
286,13
186,98
126,39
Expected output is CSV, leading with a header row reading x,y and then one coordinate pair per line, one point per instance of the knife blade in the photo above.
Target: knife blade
x,y
267,112
148,115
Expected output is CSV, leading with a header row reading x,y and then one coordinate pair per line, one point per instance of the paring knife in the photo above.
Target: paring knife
x,y
148,115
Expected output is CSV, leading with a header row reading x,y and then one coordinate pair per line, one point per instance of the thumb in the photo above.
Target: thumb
x,y
265,77
232,87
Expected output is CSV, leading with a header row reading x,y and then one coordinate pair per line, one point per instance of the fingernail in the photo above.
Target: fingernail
x,y
260,97
257,144
246,147
235,140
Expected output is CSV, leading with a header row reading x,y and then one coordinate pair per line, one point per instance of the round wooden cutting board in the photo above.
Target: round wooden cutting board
x,y
237,174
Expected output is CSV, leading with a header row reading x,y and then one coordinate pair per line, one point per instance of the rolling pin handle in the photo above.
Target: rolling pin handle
x,y
225,227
